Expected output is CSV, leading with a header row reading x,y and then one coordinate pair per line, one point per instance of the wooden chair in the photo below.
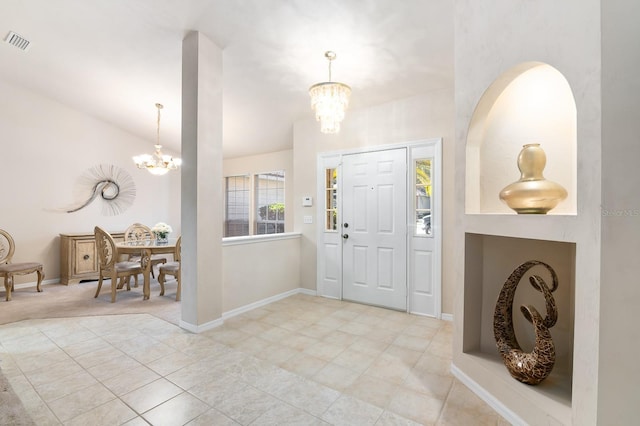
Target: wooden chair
x,y
140,232
8,269
109,267
172,268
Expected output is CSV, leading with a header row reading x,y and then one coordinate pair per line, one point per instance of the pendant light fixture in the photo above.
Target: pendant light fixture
x,y
158,163
329,100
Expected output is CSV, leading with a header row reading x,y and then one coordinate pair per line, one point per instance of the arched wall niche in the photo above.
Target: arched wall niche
x,y
529,103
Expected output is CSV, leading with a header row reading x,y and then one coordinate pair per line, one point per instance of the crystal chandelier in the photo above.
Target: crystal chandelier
x,y
158,163
329,100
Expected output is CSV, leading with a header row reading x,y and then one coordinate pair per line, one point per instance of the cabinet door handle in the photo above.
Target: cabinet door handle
x,y
86,257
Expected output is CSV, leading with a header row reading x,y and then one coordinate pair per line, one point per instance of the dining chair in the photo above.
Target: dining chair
x,y
8,269
109,267
140,232
172,268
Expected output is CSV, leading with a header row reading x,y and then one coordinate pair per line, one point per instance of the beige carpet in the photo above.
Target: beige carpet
x,y
57,300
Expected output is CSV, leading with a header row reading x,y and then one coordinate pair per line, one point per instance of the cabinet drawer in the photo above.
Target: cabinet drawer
x,y
85,257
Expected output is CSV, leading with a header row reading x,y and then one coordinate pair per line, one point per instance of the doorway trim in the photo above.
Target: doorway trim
x,y
329,243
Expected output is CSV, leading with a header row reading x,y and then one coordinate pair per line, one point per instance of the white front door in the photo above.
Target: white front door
x,y
374,228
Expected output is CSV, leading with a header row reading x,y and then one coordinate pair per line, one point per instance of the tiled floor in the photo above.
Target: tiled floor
x,y
300,361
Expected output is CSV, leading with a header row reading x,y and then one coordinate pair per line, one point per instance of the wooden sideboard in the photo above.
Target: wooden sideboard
x,y
79,258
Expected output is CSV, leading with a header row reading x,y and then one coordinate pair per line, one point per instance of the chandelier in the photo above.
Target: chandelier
x,y
158,163
329,100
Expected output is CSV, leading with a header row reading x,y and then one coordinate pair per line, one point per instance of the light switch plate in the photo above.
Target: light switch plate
x,y
308,219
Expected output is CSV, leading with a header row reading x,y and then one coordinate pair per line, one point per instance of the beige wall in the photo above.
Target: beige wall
x,y
258,268
44,148
416,118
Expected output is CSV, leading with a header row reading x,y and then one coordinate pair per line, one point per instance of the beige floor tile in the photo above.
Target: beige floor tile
x,y
276,334
418,407
247,405
309,396
53,372
212,417
441,350
389,368
338,337
434,364
214,392
408,356
277,354
369,346
294,324
302,334
177,411
372,390
41,361
336,376
130,380
79,402
65,386
284,414
428,383
98,357
356,328
151,395
304,364
298,341
418,344
324,350
113,367
91,345
114,412
137,421
316,331
347,411
391,419
354,360
171,363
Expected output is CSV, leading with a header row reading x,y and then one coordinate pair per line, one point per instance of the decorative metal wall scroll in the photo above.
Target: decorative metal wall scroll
x,y
111,184
530,368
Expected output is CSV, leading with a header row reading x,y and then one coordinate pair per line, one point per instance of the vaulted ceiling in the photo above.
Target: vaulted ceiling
x,y
114,59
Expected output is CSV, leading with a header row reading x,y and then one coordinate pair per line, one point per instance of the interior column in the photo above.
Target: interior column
x,y
201,183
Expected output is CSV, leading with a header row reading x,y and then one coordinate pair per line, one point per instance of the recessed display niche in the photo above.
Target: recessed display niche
x,y
530,103
489,260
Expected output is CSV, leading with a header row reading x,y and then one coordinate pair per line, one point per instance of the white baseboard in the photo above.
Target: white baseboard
x,y
492,401
307,291
202,327
447,317
35,283
251,306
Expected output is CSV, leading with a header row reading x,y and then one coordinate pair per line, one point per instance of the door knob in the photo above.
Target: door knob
x,y
345,236
346,225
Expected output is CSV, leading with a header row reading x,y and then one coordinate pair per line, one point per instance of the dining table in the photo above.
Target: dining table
x,y
145,249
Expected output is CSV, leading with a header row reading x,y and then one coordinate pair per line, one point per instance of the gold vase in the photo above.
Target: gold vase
x,y
532,193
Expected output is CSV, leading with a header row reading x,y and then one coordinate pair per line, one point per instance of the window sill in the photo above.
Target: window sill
x,y
254,239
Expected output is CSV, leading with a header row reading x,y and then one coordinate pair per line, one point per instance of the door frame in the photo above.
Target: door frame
x,y
329,244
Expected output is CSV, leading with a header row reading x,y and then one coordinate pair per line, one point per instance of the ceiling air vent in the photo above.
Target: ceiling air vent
x,y
17,41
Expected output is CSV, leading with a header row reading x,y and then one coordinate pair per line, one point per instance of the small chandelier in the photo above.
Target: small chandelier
x,y
158,163
329,100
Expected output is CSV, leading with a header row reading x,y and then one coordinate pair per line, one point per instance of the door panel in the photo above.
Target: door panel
x,y
374,202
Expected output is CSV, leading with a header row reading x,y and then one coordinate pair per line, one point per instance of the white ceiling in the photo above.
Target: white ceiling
x,y
114,59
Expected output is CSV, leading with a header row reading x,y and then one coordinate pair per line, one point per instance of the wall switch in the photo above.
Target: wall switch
x,y
307,201
308,219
